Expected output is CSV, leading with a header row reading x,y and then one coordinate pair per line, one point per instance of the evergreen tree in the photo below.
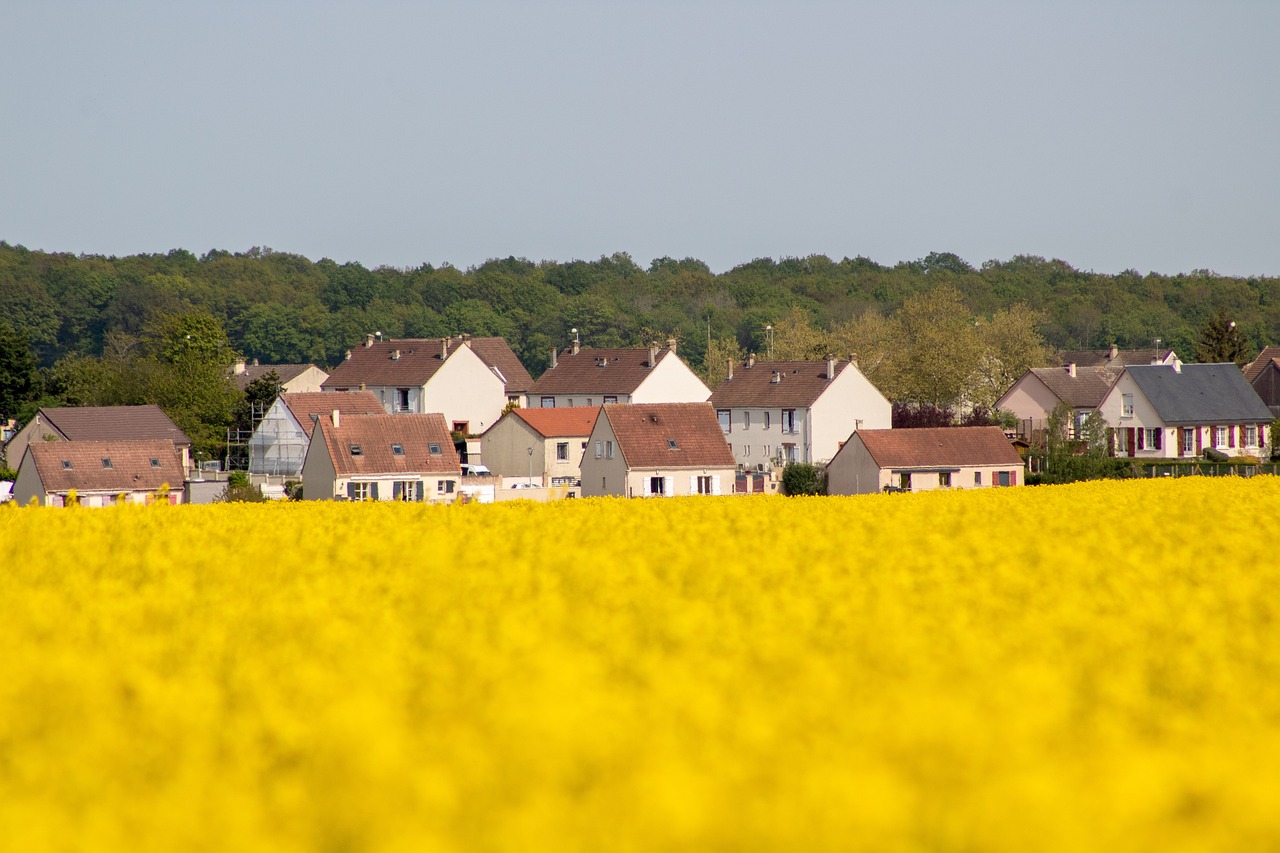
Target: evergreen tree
x,y
18,380
1221,342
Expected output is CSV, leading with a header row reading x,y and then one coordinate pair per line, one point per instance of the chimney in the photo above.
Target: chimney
x,y
395,355
1155,359
337,420
730,376
1071,370
671,344
444,348
775,378
239,368
255,362
1113,352
347,357
751,361
1177,365
831,367
653,354
368,340
553,359
576,346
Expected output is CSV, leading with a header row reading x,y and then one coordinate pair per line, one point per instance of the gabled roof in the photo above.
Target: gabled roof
x,y
799,385
114,423
286,372
411,362
555,423
644,433
1259,364
598,371
304,404
374,436
1086,389
939,447
1200,394
135,465
1114,357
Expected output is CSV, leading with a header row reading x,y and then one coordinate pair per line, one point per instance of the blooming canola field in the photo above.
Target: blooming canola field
x,y
1088,667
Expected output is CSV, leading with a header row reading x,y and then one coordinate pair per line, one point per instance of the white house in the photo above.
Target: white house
x,y
595,377
1165,411
381,458
917,460
279,443
775,412
657,450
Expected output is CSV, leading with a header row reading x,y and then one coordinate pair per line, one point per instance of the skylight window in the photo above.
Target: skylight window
x,y
66,464
155,463
397,450
357,450
434,448
671,444
106,462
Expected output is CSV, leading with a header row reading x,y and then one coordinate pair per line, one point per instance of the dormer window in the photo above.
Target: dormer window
x,y
106,462
397,450
434,449
357,450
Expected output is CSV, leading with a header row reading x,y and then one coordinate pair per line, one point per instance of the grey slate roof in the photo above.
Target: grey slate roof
x,y
1200,394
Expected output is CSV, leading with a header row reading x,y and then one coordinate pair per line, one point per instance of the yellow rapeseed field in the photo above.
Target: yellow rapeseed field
x,y
1092,667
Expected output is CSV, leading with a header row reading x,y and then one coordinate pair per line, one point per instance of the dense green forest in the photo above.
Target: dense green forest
x,y
77,311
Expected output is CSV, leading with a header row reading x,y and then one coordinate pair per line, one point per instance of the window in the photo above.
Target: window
x,y
433,448
1006,478
408,490
106,462
608,450
705,486
548,402
444,487
402,399
904,481
789,453
359,491
1250,435
1188,440
656,486
397,450
977,478
1077,424
789,421
356,450
724,416
1122,442
1219,436
608,399
569,402
155,463
66,464
746,420
599,449
463,427
1126,405
1153,437
588,401
671,444
562,451
584,447
944,479
766,420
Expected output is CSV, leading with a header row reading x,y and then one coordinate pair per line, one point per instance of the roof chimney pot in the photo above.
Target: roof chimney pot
x,y
653,354
831,367
1071,370
730,376
337,419
751,361
576,346
368,340
553,359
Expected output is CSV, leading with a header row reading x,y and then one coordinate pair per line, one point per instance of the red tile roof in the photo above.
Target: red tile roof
x,y
799,384
418,361
644,432
304,404
1259,364
939,447
65,465
110,423
551,423
374,435
598,371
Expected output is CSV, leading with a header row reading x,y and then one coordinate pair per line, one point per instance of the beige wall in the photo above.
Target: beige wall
x,y
1029,398
504,449
849,399
464,389
671,382
855,472
318,473
36,430
307,380
602,475
679,479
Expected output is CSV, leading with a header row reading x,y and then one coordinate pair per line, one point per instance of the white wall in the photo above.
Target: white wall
x,y
465,389
671,382
850,401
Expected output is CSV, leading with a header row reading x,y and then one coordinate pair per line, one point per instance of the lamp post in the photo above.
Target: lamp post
x,y
531,467
768,333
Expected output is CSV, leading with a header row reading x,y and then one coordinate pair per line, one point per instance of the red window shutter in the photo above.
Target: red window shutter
x,y
1013,478
1132,439
1231,436
1159,437
1199,440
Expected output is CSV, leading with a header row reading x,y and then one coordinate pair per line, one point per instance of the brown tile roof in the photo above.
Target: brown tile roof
x,y
598,371
1103,357
1086,388
939,447
304,404
799,384
551,423
419,360
375,435
644,430
286,372
1255,367
131,465
111,423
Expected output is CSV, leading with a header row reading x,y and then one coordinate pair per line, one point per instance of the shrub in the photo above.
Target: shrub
x,y
801,478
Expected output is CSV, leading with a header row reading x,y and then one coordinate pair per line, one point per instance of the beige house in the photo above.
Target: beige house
x,y
918,460
545,445
776,412
1042,389
1166,411
381,458
279,444
469,380
99,423
657,450
294,378
596,377
99,473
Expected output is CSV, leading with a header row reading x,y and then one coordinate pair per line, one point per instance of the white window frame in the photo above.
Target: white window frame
x,y
547,403
1219,436
1188,440
562,451
725,417
1126,405
1250,435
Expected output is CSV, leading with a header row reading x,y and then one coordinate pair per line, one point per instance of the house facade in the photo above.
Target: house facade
x,y
545,445
466,379
99,473
776,412
919,460
657,450
383,457
595,377
279,443
1042,389
99,423
1180,410
294,378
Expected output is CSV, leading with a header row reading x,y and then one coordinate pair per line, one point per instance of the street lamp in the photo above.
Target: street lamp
x,y
531,467
768,331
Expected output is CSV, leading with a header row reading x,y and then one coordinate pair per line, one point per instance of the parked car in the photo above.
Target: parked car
x,y
469,470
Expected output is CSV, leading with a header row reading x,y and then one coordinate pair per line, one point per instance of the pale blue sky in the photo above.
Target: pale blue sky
x,y
1111,134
